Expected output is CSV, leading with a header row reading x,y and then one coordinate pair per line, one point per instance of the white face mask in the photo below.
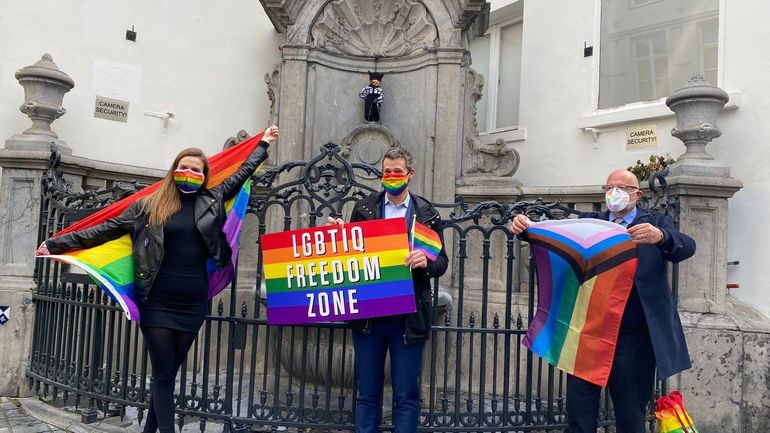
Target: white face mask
x,y
617,199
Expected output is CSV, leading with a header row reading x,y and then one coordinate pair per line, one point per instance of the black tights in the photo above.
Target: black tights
x,y
168,348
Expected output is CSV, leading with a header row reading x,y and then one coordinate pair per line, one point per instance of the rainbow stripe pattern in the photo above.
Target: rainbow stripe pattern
x,y
188,181
111,265
328,273
426,240
672,416
585,270
394,183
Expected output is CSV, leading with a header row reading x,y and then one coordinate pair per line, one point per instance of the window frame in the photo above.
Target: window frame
x,y
646,3
596,110
491,82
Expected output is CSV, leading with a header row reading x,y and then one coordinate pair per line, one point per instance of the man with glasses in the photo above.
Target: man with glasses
x,y
651,333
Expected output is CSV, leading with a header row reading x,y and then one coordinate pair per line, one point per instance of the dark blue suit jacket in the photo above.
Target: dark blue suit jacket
x,y
651,282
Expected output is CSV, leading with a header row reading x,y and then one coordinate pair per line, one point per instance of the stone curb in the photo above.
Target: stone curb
x,y
64,420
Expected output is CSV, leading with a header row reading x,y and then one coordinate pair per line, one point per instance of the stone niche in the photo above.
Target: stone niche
x,y
419,46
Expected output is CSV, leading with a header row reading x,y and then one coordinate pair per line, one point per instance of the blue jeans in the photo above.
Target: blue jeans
x,y
405,362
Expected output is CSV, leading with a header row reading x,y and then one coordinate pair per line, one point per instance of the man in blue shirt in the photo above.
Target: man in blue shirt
x,y
403,336
651,334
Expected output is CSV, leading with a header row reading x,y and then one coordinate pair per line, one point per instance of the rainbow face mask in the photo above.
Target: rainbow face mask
x,y
188,181
395,183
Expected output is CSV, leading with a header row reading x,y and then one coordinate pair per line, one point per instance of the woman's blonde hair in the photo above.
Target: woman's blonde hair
x,y
164,202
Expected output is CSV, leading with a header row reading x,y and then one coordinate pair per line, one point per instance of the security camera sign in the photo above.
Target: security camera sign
x,y
5,312
642,137
111,109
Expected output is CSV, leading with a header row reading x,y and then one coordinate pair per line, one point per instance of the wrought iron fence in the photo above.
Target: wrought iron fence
x,y
242,374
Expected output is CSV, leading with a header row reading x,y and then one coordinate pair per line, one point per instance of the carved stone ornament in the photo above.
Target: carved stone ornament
x,y
375,28
273,81
697,106
495,159
44,88
239,137
368,143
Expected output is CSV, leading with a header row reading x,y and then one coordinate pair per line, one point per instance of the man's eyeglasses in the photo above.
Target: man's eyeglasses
x,y
626,188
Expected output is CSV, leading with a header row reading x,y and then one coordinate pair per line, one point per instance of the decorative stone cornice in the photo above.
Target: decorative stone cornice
x,y
464,12
361,64
287,13
375,28
38,159
282,13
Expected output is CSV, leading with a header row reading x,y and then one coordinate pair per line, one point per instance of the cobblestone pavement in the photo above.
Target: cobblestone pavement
x,y
15,419
31,415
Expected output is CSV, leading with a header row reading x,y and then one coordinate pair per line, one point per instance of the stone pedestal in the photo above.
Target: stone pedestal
x,y
703,216
703,186
726,390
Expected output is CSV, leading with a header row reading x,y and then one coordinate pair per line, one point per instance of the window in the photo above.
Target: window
x,y
497,57
648,52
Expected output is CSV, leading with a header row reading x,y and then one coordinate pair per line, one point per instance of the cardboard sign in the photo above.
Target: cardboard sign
x,y
328,273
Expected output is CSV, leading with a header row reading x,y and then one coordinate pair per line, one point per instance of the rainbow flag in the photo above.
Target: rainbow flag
x,y
426,240
328,273
672,416
585,270
111,265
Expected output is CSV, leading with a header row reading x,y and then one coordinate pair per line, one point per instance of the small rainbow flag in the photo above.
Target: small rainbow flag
x,y
672,416
426,240
111,265
328,273
585,270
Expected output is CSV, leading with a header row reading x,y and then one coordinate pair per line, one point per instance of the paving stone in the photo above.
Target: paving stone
x,y
38,427
15,412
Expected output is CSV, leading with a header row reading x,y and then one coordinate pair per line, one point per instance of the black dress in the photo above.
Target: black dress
x,y
178,298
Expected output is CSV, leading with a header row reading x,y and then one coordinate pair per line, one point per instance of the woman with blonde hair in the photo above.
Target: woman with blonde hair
x,y
174,232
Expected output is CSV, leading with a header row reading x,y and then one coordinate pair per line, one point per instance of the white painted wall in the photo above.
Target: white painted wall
x,y
558,88
203,61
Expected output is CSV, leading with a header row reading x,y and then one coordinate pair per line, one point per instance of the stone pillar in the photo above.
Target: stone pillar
x,y
449,125
293,83
22,162
703,186
44,88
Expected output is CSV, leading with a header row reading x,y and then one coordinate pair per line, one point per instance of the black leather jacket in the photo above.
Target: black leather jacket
x,y
147,241
418,324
